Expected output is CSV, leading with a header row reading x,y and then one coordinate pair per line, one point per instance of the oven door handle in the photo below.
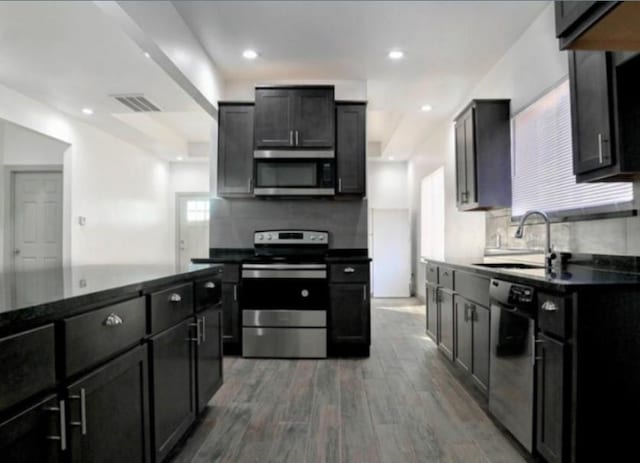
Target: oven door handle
x,y
295,274
284,266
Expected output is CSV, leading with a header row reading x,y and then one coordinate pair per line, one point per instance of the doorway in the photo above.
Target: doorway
x,y
192,234
36,220
391,253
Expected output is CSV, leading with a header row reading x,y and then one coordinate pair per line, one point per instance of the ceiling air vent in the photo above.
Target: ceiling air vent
x,y
137,103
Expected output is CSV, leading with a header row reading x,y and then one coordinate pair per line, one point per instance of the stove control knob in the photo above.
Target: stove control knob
x,y
313,237
260,237
269,236
304,293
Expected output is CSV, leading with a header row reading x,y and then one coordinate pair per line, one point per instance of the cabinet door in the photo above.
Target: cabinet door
x,y
230,312
349,316
209,355
445,309
108,412
432,312
551,389
273,127
461,172
235,149
173,374
590,110
315,116
470,156
464,333
35,434
568,13
481,346
351,149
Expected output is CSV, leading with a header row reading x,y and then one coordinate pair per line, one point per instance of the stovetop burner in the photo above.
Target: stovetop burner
x,y
290,246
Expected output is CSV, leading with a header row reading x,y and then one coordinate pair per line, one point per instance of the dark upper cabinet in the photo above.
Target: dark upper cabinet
x,y
551,390
235,149
446,322
483,156
349,318
351,148
108,412
432,311
173,373
605,107
591,111
590,25
209,367
294,117
35,434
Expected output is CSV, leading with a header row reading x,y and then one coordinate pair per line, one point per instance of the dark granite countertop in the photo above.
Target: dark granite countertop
x,y
571,277
240,255
33,298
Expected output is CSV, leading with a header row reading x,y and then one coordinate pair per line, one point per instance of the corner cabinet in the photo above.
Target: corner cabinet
x,y
294,117
235,149
351,148
483,156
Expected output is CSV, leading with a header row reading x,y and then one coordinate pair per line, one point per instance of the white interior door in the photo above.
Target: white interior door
x,y
37,220
193,228
391,253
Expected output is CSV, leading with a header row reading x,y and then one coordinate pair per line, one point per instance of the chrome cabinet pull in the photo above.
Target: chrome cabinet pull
x,y
209,285
83,411
297,141
349,270
204,330
549,306
175,297
249,184
197,338
291,137
112,320
364,293
235,292
339,185
62,415
600,148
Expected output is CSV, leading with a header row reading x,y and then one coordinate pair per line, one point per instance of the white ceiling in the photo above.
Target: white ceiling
x,y
448,47
70,55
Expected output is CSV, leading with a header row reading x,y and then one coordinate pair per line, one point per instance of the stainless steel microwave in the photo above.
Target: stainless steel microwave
x,y
294,173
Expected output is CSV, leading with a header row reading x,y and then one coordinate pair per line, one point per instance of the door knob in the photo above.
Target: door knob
x,y
16,251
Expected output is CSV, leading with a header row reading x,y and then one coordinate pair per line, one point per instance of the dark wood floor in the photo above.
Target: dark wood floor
x,y
403,404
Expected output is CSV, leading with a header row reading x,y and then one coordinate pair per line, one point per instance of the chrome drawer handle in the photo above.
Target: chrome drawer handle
x,y
549,306
62,423
83,412
112,320
175,297
210,285
349,270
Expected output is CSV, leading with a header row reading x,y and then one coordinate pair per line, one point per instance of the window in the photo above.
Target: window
x,y
197,211
432,215
542,164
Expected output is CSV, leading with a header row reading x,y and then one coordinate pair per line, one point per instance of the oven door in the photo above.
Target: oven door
x,y
294,177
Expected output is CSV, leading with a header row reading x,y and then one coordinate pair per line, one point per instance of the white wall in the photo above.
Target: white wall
x,y
122,190
532,65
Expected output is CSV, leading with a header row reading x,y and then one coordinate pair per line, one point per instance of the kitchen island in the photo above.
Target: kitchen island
x,y
108,362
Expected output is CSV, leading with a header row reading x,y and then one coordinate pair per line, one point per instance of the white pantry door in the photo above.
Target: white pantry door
x,y
37,220
391,253
193,228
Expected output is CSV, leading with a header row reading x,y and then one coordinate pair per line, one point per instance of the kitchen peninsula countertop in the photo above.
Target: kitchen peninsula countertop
x,y
29,299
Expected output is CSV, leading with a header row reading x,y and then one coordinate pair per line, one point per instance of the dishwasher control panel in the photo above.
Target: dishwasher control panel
x,y
511,294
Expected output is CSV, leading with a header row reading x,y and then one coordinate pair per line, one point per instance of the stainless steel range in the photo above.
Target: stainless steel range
x,y
286,295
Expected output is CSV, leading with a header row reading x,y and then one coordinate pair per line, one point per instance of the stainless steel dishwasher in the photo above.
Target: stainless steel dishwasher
x,y
512,359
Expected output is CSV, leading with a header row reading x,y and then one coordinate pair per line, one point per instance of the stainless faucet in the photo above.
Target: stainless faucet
x,y
549,254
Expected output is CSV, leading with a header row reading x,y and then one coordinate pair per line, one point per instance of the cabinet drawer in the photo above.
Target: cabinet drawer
x,y
473,287
169,307
207,292
27,365
97,335
445,277
553,314
432,273
231,273
349,273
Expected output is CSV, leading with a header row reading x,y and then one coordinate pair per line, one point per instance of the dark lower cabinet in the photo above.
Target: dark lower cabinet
x,y
552,371
481,347
209,367
464,333
432,311
108,412
174,392
446,312
35,434
231,317
349,317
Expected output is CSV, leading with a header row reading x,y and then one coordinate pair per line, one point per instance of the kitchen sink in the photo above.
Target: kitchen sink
x,y
506,265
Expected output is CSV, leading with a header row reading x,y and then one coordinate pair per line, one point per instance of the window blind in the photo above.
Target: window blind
x,y
542,162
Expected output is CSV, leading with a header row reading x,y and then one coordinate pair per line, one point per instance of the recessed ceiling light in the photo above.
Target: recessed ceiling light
x,y
87,111
179,158
250,54
396,54
390,158
426,108
146,54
